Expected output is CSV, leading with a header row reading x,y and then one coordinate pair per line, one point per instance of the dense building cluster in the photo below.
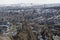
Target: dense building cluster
x,y
30,23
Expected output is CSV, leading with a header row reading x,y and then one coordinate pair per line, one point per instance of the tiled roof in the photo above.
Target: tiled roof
x,y
3,23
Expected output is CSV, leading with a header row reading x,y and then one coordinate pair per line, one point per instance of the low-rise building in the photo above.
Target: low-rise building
x,y
4,26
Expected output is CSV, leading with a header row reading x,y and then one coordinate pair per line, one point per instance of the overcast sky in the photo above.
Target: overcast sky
x,y
29,1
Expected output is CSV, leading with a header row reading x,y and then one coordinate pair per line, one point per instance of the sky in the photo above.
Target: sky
x,y
28,1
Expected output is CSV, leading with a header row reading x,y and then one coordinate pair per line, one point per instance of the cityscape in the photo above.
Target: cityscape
x,y
34,22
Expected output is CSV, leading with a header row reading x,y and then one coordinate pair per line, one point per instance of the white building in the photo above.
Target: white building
x,y
4,26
